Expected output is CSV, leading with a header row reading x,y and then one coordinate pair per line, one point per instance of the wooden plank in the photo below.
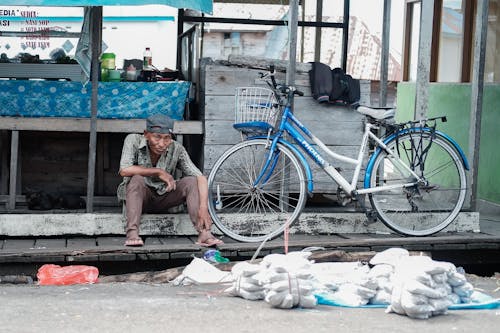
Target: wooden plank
x,y
341,134
18,244
222,80
169,241
14,154
117,257
83,125
100,159
152,241
82,258
110,241
81,243
306,109
4,160
50,243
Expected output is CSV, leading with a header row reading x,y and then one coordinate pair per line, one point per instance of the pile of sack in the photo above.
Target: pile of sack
x,y
283,281
416,286
423,287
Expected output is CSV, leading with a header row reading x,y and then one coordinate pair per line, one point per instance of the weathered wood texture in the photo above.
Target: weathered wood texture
x,y
339,127
53,154
310,223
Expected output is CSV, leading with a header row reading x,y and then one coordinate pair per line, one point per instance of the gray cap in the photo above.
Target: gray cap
x,y
159,123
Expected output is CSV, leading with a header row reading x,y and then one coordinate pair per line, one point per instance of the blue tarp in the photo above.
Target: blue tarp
x,y
482,302
120,100
200,5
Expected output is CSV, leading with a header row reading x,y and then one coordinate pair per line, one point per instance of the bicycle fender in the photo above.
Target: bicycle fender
x,y
369,167
300,156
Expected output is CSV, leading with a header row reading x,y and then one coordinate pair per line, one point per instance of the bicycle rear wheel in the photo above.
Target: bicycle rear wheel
x,y
428,207
251,212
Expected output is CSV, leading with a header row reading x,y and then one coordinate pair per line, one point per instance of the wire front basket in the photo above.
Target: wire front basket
x,y
256,110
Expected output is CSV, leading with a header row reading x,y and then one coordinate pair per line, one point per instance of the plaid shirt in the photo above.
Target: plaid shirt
x,y
136,152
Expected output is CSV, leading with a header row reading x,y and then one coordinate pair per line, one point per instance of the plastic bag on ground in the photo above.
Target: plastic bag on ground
x,y
50,274
199,271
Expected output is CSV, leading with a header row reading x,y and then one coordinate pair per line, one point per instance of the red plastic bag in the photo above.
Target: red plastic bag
x,y
64,275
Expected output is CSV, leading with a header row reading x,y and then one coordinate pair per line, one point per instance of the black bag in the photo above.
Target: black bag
x,y
354,91
333,85
340,84
321,81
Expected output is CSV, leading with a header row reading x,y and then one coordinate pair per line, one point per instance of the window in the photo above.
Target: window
x,y
451,38
452,34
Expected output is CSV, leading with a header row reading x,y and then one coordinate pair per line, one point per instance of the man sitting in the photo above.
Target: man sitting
x,y
147,164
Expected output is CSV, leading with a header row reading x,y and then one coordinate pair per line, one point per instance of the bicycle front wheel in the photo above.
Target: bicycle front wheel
x,y
430,205
251,210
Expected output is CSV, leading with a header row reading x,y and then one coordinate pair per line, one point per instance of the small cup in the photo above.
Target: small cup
x,y
114,75
131,75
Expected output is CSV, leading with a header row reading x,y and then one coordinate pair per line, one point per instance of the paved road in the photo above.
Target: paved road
x,y
125,307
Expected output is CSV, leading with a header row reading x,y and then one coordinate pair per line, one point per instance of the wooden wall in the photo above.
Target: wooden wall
x,y
57,162
338,127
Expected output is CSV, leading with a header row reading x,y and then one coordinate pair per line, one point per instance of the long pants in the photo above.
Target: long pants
x,y
140,198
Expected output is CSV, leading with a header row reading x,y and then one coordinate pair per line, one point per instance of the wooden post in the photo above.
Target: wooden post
x,y
424,59
317,43
4,161
14,149
292,41
476,109
96,38
384,66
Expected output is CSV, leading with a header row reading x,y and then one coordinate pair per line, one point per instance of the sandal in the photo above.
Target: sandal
x,y
209,241
134,242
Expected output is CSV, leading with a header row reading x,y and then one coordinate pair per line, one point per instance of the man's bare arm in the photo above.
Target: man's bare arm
x,y
150,172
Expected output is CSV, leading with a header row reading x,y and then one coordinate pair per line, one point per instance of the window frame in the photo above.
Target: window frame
x,y
467,45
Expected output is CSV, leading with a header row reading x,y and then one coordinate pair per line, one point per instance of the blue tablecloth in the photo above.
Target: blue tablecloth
x,y
120,100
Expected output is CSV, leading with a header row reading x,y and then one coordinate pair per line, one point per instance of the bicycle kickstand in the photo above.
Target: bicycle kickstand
x,y
371,214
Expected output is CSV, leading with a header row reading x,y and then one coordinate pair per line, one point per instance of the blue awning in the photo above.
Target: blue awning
x,y
200,5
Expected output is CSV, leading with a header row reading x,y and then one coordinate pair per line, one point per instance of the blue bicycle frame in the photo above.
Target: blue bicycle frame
x,y
290,124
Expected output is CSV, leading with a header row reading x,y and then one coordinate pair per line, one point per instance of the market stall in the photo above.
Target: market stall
x,y
84,102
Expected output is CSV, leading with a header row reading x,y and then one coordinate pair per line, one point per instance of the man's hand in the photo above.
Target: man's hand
x,y
168,180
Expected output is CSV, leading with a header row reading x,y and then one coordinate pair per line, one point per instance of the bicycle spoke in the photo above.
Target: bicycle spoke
x,y
424,208
249,212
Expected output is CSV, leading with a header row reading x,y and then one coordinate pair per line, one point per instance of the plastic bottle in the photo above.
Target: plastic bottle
x,y
214,256
107,64
148,58
74,274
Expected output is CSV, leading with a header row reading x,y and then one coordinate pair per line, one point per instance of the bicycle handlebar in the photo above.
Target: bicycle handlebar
x,y
283,89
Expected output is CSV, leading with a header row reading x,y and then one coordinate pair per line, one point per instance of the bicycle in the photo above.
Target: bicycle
x,y
415,177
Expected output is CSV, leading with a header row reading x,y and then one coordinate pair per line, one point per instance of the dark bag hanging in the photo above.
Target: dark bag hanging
x,y
321,81
333,85
339,84
353,93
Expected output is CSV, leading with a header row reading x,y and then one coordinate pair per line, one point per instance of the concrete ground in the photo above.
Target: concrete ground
x,y
147,307
126,307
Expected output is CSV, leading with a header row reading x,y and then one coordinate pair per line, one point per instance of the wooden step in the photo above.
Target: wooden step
x,y
91,224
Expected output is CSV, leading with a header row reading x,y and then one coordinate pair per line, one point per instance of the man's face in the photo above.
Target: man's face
x,y
158,142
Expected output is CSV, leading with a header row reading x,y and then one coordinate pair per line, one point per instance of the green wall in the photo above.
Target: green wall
x,y
453,101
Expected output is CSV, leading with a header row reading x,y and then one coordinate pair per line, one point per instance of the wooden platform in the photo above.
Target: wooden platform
x,y
110,248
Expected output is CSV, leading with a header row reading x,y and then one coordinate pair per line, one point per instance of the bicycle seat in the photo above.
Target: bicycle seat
x,y
376,113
